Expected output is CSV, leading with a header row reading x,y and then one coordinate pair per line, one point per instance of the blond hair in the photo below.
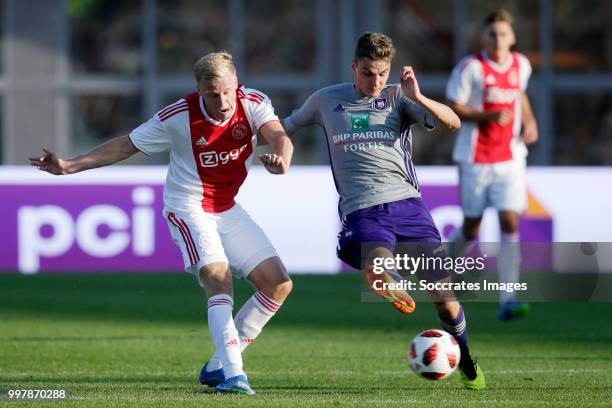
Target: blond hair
x,y
499,15
375,46
214,65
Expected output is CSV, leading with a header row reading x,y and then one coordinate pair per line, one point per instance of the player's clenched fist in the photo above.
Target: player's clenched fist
x,y
274,163
410,86
530,132
49,162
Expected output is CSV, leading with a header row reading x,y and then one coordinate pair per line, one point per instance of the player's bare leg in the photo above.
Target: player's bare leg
x,y
216,279
470,228
270,277
399,299
464,238
509,264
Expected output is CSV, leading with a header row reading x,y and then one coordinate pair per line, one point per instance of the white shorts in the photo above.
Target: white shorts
x,y
499,185
230,236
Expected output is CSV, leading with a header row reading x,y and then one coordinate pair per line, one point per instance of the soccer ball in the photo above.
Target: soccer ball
x,y
434,354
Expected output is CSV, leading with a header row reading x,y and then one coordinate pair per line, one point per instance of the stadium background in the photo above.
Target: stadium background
x,y
74,73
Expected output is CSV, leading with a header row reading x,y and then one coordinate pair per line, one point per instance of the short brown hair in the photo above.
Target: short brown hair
x,y
375,46
213,66
499,15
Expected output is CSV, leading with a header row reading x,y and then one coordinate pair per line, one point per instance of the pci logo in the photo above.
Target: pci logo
x,y
101,231
214,159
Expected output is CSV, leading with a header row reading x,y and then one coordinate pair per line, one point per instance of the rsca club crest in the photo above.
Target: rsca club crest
x,y
380,103
239,131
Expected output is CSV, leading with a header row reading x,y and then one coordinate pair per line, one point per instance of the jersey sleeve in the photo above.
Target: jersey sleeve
x,y
414,112
307,114
524,71
260,109
460,85
151,137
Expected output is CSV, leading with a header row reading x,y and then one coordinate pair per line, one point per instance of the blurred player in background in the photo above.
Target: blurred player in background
x,y
487,91
211,135
367,124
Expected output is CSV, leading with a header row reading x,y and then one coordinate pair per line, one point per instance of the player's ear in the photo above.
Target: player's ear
x,y
354,65
484,36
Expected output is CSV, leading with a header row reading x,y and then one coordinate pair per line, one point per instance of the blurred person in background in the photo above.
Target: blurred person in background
x,y
487,91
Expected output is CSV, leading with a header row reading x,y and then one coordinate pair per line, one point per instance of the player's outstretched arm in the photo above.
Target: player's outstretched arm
x,y
530,125
503,117
117,149
282,149
442,113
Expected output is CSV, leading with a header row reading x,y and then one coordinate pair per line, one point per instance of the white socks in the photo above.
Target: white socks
x,y
508,263
250,320
224,334
508,259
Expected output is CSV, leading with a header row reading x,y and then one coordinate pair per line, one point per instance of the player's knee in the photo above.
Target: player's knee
x,y
508,226
447,309
216,278
470,230
282,290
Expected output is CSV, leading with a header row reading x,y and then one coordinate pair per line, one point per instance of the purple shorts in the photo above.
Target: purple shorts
x,y
386,225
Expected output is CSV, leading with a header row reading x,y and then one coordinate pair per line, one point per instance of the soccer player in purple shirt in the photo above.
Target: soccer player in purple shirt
x,y
367,125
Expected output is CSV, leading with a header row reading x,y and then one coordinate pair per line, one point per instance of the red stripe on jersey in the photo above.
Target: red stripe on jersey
x,y
171,217
501,90
257,101
221,162
170,107
173,112
242,95
258,94
190,237
251,92
253,96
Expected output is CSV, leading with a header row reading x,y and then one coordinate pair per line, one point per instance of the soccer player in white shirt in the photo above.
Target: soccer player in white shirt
x,y
211,135
487,91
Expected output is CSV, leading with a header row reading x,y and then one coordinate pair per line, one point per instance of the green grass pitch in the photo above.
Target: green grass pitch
x,y
140,339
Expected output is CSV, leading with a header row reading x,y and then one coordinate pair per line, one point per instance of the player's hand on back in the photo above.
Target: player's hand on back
x,y
410,86
274,163
50,163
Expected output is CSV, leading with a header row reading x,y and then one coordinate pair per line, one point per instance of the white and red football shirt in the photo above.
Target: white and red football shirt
x,y
209,160
483,85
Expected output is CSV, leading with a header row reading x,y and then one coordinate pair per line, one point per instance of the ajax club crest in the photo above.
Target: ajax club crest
x,y
239,131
